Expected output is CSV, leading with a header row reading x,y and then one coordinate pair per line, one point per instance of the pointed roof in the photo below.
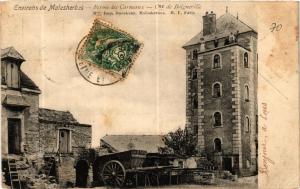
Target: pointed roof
x,y
225,24
11,52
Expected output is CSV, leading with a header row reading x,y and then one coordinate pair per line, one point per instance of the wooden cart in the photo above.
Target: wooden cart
x,y
136,168
133,167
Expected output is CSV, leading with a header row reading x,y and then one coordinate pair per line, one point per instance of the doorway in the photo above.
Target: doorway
x,y
82,171
64,140
14,136
227,164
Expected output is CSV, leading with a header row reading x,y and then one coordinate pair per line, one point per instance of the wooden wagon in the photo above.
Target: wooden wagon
x,y
137,167
133,167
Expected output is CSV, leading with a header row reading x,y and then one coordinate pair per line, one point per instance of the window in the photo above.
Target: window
x,y
246,93
246,65
216,42
232,38
195,54
216,61
218,145
247,124
195,129
3,82
195,102
226,42
217,90
194,74
256,124
217,119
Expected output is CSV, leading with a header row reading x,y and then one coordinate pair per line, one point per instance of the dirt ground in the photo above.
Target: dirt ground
x,y
241,183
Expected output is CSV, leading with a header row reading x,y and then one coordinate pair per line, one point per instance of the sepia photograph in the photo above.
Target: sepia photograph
x,y
149,94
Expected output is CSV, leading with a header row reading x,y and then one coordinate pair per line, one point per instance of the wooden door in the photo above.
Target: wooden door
x,y
227,164
12,75
64,141
14,136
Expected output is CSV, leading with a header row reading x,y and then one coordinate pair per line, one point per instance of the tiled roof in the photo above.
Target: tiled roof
x,y
26,82
11,52
56,116
120,143
225,24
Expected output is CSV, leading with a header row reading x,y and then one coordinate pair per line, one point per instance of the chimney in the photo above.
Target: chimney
x,y
209,23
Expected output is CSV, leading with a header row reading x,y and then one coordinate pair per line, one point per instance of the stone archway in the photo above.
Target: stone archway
x,y
82,171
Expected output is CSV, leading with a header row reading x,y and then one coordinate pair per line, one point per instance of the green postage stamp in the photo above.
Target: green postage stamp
x,y
105,55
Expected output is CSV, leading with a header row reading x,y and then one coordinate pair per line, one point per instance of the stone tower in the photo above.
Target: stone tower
x,y
221,93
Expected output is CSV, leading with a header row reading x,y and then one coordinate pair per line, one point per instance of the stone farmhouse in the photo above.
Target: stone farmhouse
x,y
38,141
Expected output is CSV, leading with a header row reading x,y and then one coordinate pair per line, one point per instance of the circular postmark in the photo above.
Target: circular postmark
x,y
93,73
106,54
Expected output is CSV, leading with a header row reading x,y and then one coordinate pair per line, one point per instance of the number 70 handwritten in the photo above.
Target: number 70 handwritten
x,y
275,27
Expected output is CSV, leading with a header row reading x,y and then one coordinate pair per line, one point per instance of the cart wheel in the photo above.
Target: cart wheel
x,y
113,174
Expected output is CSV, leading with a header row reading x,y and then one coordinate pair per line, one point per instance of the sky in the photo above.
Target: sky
x,y
151,100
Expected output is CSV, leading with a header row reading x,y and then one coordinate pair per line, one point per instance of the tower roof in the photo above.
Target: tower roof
x,y
11,52
225,24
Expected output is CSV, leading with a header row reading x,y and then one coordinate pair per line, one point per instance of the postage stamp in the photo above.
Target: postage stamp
x,y
106,54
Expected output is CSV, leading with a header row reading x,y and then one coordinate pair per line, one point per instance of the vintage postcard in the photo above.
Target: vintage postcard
x,y
149,94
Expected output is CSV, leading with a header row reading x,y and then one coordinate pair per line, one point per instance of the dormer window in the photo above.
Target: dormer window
x,y
216,61
216,42
226,42
231,38
11,61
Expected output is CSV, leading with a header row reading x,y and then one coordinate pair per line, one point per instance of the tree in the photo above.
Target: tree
x,y
181,141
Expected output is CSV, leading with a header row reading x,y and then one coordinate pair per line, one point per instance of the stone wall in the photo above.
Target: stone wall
x,y
48,137
236,142
28,117
31,123
80,136
67,172
221,104
248,76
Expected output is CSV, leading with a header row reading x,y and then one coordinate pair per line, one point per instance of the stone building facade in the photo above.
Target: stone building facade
x,y
32,136
221,92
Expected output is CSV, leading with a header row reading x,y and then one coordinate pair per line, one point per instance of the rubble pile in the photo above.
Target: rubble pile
x,y
42,182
